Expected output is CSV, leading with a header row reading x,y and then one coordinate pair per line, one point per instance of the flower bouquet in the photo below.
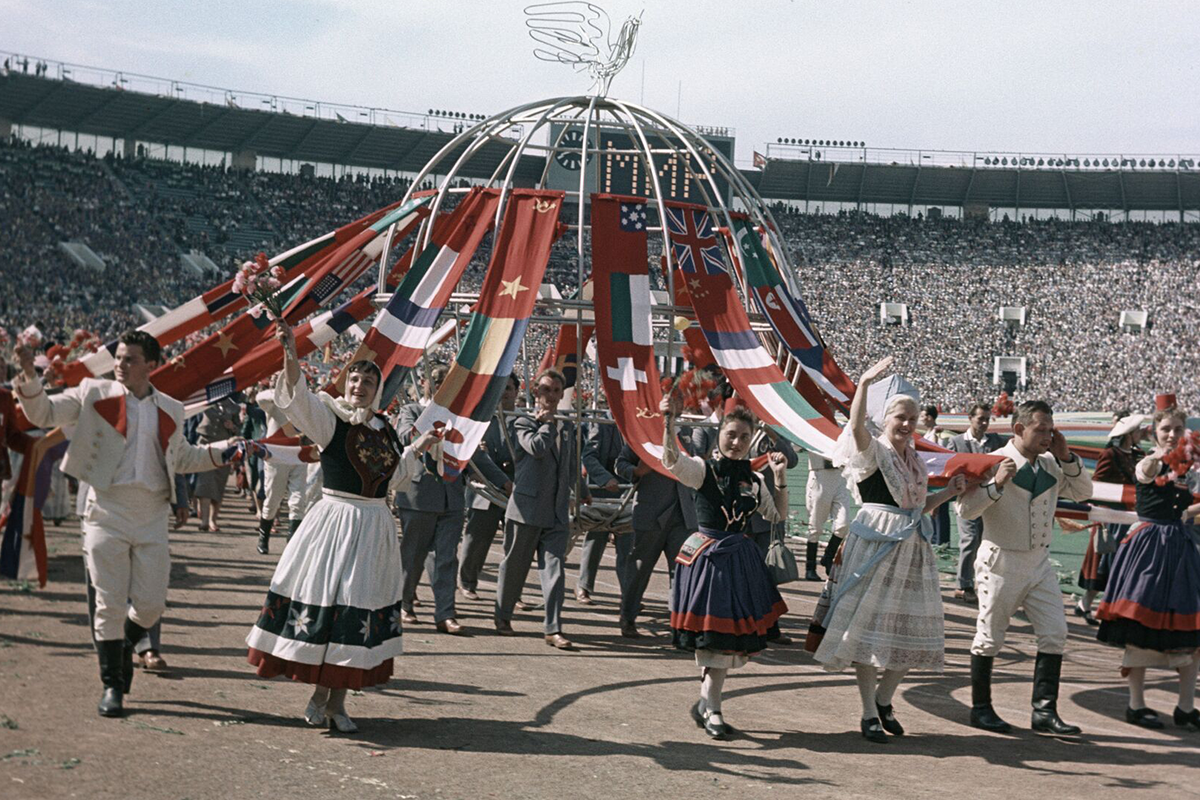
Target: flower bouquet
x,y
1182,459
258,281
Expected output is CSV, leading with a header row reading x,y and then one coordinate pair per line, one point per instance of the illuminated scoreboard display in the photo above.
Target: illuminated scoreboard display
x,y
611,169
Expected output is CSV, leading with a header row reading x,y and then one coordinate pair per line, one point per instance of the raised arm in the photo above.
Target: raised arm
x,y
303,409
533,436
40,409
858,408
689,470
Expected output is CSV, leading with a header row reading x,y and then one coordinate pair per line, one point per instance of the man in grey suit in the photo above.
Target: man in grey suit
x,y
494,460
536,519
664,515
600,451
970,531
431,518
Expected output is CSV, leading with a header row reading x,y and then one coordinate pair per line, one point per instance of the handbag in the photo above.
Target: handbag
x,y
781,562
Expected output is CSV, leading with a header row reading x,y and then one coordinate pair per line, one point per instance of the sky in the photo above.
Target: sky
x,y
1062,77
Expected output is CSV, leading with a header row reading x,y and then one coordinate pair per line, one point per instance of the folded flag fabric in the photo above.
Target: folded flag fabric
x,y
464,404
787,313
941,464
402,329
219,302
737,350
624,344
23,548
572,339
267,358
1083,512
289,450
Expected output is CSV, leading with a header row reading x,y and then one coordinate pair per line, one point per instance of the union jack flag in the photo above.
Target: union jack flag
x,y
693,241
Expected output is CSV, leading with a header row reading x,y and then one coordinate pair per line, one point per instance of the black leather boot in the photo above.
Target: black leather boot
x,y
111,653
133,635
831,551
293,524
264,535
982,713
810,562
1046,672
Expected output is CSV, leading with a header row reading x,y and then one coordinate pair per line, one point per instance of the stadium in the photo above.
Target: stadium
x,y
654,269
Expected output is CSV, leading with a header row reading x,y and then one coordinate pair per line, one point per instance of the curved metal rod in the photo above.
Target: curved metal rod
x,y
516,155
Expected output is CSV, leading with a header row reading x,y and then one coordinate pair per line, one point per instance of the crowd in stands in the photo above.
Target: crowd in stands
x,y
1073,278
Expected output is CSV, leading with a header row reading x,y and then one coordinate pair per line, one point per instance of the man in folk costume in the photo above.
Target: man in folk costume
x,y
536,521
128,446
282,480
976,439
1013,569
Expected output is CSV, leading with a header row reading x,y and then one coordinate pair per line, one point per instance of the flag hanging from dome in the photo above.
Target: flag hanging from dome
x,y
467,398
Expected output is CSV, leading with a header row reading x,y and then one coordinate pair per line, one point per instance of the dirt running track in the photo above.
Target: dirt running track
x,y
481,716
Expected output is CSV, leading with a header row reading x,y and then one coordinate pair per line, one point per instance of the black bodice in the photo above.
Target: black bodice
x,y
727,498
360,459
1166,502
874,489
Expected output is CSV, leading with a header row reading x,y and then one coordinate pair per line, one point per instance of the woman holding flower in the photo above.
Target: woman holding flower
x,y
332,615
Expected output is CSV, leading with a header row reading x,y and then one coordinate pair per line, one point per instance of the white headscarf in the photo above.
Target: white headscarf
x,y
352,414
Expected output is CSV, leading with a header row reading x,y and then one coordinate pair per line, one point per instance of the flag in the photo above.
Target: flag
x,y
466,400
23,548
787,314
563,355
737,350
941,464
624,347
760,161
289,450
267,358
1083,512
188,372
217,303
402,329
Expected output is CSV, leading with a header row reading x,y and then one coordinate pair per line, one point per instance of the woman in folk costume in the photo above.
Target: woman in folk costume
x,y
886,609
1115,465
332,615
1152,603
724,604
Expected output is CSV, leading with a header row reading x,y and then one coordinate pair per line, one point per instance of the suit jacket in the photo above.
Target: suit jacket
x,y
600,451
991,443
658,498
545,473
494,460
97,410
428,490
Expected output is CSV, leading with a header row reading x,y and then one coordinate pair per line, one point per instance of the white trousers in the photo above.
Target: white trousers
x,y
125,546
827,496
285,480
1007,580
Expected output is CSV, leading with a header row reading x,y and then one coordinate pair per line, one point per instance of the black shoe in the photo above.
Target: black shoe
x,y
985,717
1187,719
111,654
1047,670
1080,611
872,731
888,719
133,634
264,535
810,562
1143,718
293,526
714,730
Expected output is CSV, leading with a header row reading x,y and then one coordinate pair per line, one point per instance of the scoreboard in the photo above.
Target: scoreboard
x,y
611,171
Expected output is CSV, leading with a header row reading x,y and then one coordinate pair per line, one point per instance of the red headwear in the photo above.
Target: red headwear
x,y
1164,401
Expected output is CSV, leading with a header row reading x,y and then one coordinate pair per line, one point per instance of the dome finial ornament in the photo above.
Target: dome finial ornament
x,y
578,33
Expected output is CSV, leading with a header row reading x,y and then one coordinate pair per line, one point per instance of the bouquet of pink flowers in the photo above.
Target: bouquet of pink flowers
x,y
31,337
258,281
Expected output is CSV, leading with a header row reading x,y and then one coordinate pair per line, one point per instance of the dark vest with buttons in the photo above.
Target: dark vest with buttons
x,y
1165,502
360,459
726,500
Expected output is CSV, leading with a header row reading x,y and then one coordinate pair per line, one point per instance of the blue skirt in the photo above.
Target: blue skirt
x,y
723,598
1152,599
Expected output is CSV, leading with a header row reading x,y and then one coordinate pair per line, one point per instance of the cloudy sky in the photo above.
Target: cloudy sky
x,y
1067,76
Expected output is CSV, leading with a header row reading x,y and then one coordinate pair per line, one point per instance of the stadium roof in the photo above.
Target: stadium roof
x,y
122,114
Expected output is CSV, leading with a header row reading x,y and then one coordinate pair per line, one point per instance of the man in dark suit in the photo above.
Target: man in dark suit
x,y
431,518
970,531
494,460
536,520
664,515
600,451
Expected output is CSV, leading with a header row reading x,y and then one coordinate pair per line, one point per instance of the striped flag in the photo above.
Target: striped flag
x,y
624,347
1083,512
466,400
941,464
219,302
735,347
402,329
201,365
563,355
267,358
289,450
23,548
787,314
